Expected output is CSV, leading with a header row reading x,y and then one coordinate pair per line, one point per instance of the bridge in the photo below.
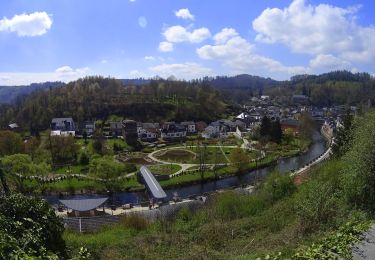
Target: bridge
x,y
151,184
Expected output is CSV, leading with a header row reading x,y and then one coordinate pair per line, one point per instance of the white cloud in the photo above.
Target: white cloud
x,y
64,73
166,47
104,61
132,1
142,22
238,54
224,35
34,24
184,14
319,29
329,62
181,70
178,33
149,58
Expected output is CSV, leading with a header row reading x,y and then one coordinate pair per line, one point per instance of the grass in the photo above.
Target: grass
x,y
165,169
74,185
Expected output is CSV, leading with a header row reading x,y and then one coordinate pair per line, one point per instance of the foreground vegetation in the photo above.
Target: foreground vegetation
x,y
317,220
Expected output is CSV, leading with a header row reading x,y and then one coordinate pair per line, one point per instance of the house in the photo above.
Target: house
x,y
173,132
14,127
190,127
63,124
200,126
62,127
148,132
87,127
115,129
329,127
290,123
210,132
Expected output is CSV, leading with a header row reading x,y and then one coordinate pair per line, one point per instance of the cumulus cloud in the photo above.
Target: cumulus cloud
x,y
224,35
178,33
166,47
181,70
238,54
184,14
317,29
34,24
329,62
64,73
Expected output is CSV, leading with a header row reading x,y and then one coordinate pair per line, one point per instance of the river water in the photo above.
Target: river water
x,y
283,165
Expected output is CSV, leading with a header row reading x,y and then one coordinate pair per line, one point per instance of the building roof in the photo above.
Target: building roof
x,y
13,125
152,184
84,204
60,120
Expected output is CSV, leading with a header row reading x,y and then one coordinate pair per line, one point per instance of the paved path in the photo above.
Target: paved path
x,y
366,248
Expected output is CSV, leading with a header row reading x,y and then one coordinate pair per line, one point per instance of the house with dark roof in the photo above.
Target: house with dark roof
x,y
173,132
63,124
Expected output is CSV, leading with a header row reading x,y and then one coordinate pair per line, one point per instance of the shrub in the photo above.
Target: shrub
x,y
84,159
316,204
134,221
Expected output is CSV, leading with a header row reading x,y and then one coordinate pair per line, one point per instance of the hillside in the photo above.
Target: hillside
x,y
9,94
97,98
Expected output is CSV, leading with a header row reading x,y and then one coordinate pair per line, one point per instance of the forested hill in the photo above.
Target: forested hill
x,y
9,94
334,88
98,98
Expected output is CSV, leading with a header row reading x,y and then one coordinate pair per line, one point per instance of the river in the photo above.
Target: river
x,y
283,165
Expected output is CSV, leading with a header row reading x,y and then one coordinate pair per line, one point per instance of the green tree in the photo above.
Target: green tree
x,y
29,228
343,136
276,132
359,168
18,166
10,143
265,128
63,149
240,159
31,146
288,135
306,126
107,169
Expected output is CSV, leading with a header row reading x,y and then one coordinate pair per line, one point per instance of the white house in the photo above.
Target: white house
x,y
190,127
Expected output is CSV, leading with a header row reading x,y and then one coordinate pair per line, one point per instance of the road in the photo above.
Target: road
x,y
366,248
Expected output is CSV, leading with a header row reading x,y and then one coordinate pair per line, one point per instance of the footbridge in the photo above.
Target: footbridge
x,y
152,185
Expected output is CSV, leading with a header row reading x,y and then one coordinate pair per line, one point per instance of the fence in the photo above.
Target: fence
x,y
165,212
89,224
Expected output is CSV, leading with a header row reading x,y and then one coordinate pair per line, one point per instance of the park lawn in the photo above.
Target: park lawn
x,y
164,169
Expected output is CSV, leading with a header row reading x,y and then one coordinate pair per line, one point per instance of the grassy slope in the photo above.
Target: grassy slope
x,y
278,218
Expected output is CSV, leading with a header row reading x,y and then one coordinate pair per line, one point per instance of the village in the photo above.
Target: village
x,y
154,133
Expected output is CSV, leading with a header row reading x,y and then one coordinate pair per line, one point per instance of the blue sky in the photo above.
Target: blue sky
x,y
44,40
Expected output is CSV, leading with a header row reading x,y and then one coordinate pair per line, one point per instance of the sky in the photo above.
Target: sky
x,y
62,40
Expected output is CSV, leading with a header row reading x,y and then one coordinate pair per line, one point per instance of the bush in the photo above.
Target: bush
x,y
31,228
278,185
84,159
317,204
134,221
